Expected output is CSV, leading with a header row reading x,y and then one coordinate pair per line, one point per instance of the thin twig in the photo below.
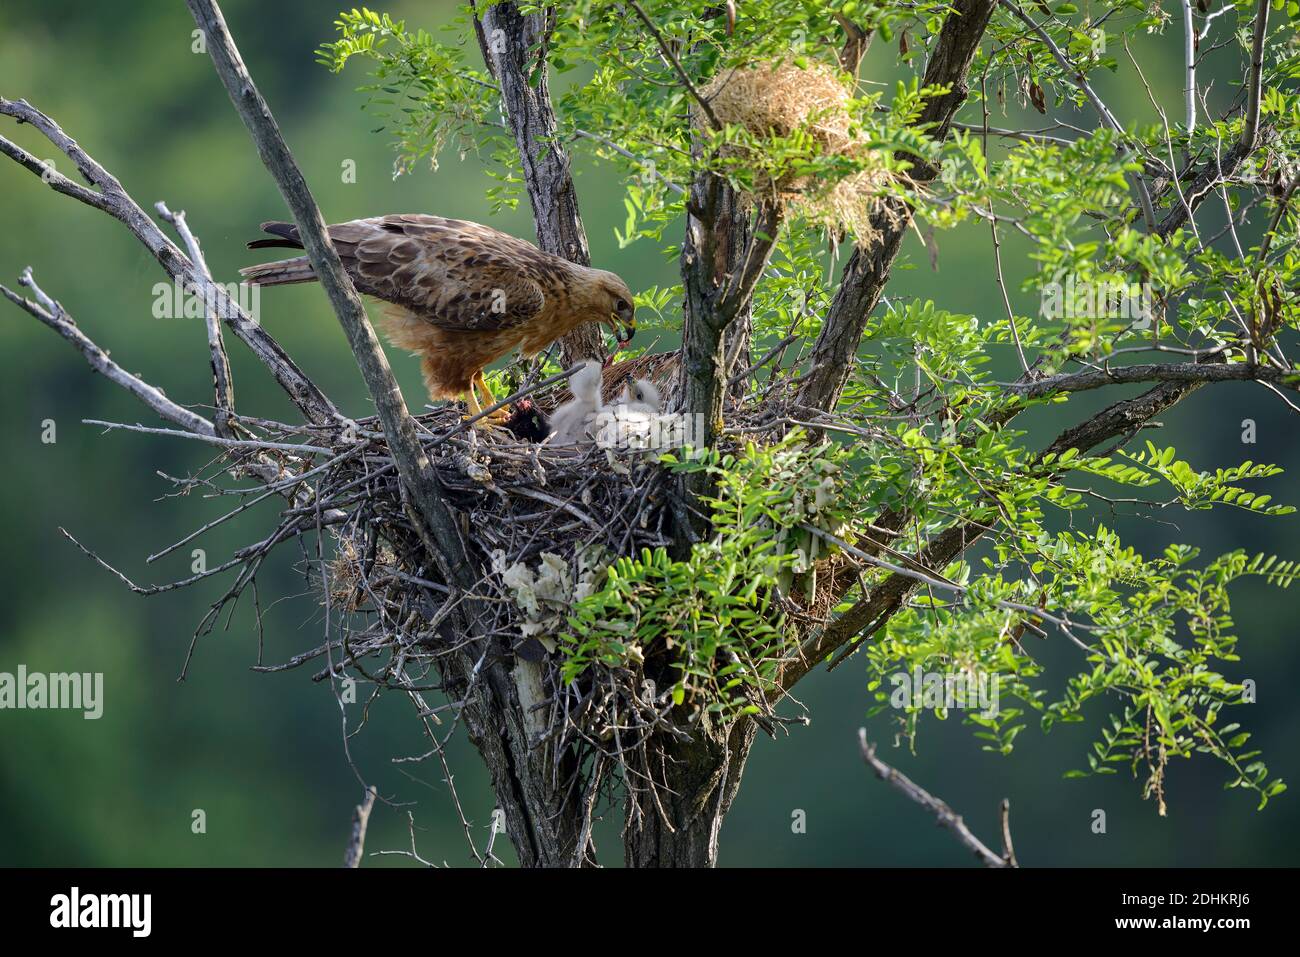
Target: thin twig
x,y
53,315
1081,81
1008,848
222,382
1278,213
111,198
677,66
1189,67
360,820
945,815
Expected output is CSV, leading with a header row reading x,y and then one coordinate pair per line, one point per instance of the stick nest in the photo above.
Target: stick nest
x,y
540,523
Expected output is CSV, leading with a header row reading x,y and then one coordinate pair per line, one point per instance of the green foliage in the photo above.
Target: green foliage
x,y
923,426
1153,634
1195,490
717,612
424,93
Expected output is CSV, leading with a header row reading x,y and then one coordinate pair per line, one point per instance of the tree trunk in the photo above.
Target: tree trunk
x,y
542,812
700,779
545,800
718,231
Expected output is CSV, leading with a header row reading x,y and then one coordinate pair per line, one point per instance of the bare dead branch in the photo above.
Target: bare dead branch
x,y
945,815
53,315
223,385
211,439
111,198
360,820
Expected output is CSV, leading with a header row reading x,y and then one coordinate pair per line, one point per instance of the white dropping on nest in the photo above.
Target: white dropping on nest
x,y
545,595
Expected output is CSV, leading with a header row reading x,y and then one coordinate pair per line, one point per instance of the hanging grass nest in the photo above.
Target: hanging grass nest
x,y
815,100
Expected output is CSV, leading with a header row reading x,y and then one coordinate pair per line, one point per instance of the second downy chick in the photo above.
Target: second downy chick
x,y
631,421
641,395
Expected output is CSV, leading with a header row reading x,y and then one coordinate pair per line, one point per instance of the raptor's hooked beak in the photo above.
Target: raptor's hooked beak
x,y
622,319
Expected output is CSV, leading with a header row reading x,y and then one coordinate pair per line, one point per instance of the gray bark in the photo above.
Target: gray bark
x,y
514,48
704,775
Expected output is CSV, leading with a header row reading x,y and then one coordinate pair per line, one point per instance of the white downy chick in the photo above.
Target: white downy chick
x,y
642,395
571,422
630,422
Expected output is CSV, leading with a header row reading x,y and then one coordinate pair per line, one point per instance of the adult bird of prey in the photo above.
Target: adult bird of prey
x,y
460,295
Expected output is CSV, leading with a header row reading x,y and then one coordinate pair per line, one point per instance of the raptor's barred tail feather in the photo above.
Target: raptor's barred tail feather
x,y
281,273
285,271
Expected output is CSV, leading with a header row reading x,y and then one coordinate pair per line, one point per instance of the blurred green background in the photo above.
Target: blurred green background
x,y
262,755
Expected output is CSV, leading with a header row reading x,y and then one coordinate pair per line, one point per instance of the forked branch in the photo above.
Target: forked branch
x,y
868,270
52,313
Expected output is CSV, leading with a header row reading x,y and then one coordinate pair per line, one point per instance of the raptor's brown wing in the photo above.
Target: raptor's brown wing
x,y
450,273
